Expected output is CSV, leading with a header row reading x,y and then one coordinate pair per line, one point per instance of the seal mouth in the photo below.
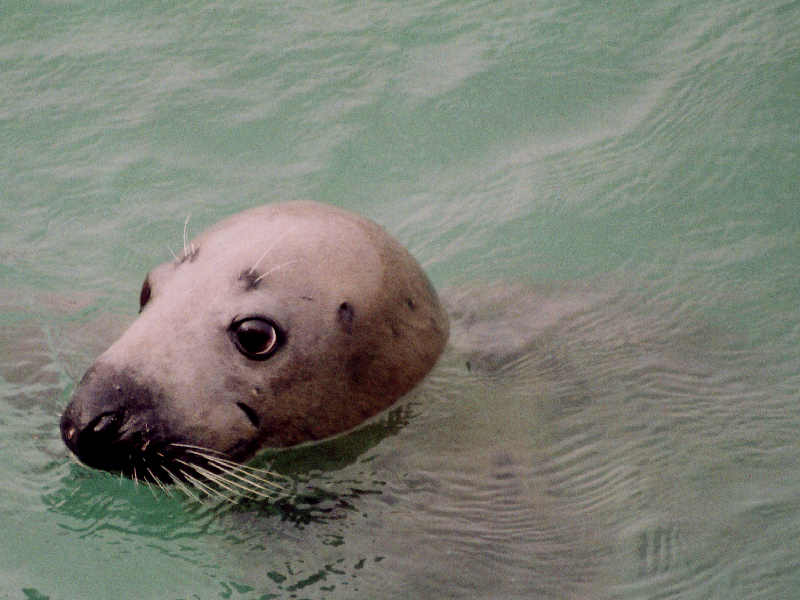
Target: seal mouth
x,y
250,414
199,473
106,442
110,442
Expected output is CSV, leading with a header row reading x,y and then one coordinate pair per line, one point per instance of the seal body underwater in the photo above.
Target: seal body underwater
x,y
283,324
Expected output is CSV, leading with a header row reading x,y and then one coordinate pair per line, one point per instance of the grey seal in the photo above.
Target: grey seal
x,y
283,324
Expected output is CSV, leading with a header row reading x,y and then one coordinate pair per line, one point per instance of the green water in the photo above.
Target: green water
x,y
638,161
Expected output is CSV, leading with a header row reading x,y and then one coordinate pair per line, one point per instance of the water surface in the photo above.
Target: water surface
x,y
606,194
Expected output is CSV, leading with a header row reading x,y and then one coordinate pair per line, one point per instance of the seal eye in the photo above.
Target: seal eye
x,y
255,338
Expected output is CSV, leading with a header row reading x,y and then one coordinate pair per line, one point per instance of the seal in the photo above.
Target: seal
x,y
283,324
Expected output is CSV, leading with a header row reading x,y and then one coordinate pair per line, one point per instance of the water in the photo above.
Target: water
x,y
613,187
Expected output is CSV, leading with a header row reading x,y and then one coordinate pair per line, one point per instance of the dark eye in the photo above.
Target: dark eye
x,y
144,295
256,338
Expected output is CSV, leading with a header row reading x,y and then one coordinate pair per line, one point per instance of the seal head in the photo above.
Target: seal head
x,y
283,324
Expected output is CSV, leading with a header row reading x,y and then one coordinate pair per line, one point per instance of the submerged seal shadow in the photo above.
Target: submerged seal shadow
x,y
283,324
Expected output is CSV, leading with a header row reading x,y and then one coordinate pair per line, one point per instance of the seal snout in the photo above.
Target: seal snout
x,y
98,426
93,443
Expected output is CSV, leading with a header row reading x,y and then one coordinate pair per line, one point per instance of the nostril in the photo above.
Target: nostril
x,y
96,435
69,432
106,424
100,443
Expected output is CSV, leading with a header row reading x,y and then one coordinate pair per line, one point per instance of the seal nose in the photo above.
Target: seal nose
x,y
93,443
96,425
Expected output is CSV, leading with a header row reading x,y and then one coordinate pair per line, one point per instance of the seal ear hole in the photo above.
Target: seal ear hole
x,y
256,338
144,295
346,314
250,413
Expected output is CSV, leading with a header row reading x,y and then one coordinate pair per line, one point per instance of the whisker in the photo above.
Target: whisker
x,y
210,475
193,447
206,488
144,481
255,481
185,236
219,457
243,472
182,486
217,476
150,488
235,487
159,483
237,483
232,464
196,483
273,269
269,249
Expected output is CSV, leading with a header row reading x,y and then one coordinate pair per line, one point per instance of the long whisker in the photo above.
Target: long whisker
x,y
202,452
206,488
235,482
234,487
210,475
194,447
149,486
185,234
270,248
182,486
218,456
244,473
213,474
159,483
273,269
